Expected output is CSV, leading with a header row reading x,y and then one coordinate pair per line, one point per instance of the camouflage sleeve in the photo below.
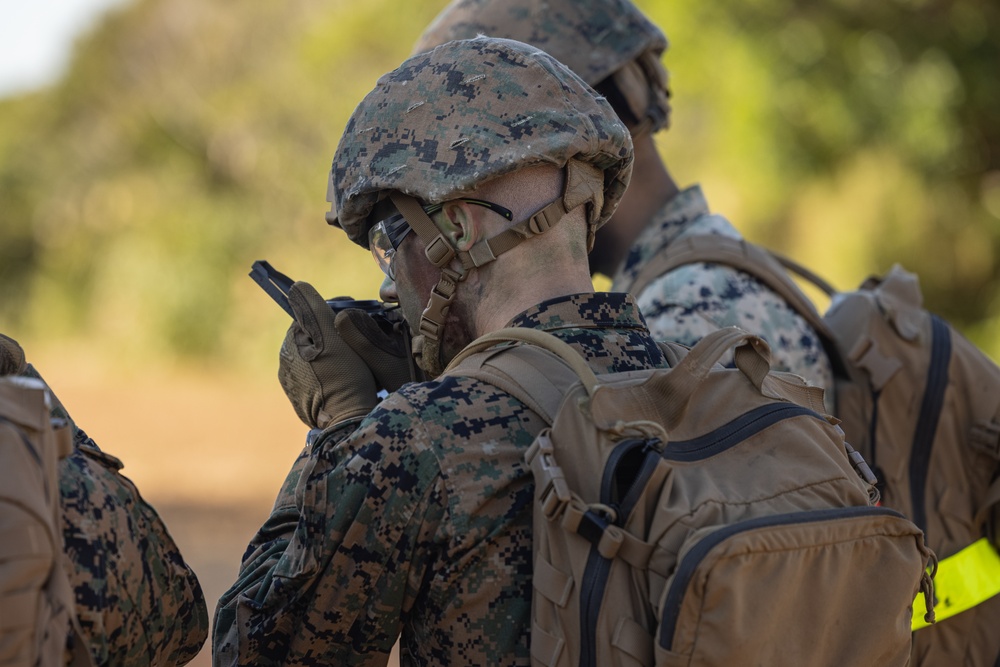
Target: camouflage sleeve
x,y
330,576
137,600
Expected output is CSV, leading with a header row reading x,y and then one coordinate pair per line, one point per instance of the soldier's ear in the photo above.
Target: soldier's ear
x,y
460,223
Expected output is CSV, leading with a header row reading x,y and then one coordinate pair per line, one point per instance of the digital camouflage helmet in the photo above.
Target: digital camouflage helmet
x,y
446,122
610,44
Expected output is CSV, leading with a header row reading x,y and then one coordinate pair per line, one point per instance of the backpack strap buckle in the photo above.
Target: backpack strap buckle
x,y
553,492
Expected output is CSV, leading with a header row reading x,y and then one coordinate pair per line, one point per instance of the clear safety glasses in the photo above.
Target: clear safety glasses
x,y
385,236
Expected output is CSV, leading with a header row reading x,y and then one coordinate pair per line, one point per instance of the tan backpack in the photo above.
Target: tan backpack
x,y
37,613
922,404
697,515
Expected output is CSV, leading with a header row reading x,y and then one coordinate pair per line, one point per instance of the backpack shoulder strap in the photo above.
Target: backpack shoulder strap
x,y
535,374
742,255
548,367
766,266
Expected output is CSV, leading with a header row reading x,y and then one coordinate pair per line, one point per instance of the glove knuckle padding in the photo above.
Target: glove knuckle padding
x,y
361,332
385,354
325,380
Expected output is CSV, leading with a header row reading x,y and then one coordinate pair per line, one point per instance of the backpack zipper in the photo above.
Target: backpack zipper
x,y
734,432
693,558
927,423
595,579
595,574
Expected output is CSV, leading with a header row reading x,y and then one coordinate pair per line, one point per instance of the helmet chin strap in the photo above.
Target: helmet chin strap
x,y
426,344
584,185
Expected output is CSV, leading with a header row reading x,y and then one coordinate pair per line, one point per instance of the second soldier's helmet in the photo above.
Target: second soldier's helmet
x,y
610,44
446,121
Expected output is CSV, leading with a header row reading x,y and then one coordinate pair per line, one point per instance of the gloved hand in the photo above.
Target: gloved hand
x,y
11,356
386,355
325,380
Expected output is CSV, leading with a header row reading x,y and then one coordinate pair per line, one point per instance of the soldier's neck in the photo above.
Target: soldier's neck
x,y
515,290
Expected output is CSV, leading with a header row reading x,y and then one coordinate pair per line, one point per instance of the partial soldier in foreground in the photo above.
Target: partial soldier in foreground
x,y
134,601
617,50
478,174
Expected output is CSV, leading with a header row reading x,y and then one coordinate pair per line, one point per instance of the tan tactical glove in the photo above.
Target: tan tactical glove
x,y
386,355
11,356
325,380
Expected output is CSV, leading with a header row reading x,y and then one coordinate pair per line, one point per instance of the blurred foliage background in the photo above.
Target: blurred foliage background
x,y
192,137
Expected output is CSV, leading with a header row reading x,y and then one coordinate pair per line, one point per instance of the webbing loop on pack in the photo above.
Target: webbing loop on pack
x,y
597,528
963,580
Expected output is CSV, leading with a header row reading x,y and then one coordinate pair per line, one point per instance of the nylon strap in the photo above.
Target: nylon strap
x,y
766,266
739,254
551,582
486,251
963,580
752,359
548,377
439,251
535,337
437,248
634,640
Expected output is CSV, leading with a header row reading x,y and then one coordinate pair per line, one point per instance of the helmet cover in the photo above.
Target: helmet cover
x,y
448,120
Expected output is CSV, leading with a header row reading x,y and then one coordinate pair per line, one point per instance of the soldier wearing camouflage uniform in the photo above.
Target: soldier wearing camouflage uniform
x,y
137,601
478,174
617,50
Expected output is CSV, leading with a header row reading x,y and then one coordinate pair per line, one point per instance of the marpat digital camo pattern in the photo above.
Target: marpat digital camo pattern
x,y
693,300
469,111
417,520
137,600
594,38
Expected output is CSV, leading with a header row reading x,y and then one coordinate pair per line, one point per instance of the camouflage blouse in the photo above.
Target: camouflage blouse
x,y
691,301
415,520
137,600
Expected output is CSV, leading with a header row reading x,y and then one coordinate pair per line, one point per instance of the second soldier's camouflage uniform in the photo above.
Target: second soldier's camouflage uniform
x,y
417,519
137,600
691,301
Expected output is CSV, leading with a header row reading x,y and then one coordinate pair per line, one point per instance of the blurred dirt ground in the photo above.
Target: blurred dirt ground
x,y
206,449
